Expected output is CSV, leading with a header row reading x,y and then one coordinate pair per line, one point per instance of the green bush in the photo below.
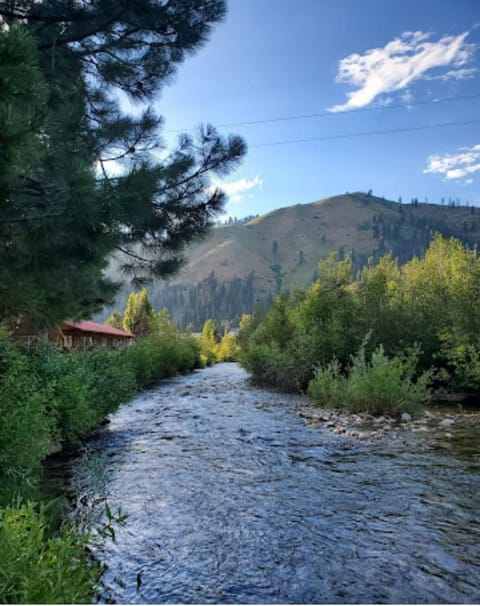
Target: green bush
x,y
329,386
383,386
270,366
27,427
36,568
464,364
49,398
430,301
161,355
111,380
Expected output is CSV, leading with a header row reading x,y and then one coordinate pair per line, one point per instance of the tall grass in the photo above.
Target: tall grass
x,y
37,568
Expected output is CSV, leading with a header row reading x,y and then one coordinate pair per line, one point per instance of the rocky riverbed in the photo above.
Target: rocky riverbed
x,y
436,423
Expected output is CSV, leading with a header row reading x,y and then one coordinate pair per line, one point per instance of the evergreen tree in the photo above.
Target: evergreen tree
x,y
23,96
63,210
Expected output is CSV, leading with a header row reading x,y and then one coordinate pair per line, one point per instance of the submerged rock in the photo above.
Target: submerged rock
x,y
447,421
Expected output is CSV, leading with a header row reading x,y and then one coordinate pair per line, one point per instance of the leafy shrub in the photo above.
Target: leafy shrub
x,y
273,367
383,386
430,301
110,380
329,386
27,425
161,355
39,569
464,364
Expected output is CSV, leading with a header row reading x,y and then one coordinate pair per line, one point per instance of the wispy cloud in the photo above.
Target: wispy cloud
x,y
467,73
235,189
400,62
464,163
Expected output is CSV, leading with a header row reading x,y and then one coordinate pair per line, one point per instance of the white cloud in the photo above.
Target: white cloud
x,y
456,166
401,62
234,189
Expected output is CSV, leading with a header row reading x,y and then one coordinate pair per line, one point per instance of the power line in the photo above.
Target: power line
x,y
326,113
366,133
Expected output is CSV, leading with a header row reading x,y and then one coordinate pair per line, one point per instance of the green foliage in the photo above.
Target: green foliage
x,y
115,320
209,343
464,363
49,399
271,366
139,317
228,349
162,354
110,380
302,330
429,304
62,126
28,423
22,105
383,386
40,569
246,328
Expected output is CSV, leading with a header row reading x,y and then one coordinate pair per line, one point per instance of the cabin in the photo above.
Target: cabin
x,y
83,334
74,335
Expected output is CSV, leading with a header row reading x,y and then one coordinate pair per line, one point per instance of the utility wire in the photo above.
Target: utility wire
x,y
366,133
326,113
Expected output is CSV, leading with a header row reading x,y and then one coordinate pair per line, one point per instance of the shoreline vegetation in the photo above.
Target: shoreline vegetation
x,y
51,400
386,344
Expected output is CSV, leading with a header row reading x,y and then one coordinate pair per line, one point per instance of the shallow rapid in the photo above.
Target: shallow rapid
x,y
232,498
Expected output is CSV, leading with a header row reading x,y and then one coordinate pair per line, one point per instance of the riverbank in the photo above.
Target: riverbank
x,y
435,423
52,401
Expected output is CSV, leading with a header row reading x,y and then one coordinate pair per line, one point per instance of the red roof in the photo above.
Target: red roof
x,y
87,326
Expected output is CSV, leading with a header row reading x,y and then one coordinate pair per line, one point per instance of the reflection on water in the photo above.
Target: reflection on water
x,y
231,498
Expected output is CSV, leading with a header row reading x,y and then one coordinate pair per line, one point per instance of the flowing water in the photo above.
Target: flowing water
x,y
232,498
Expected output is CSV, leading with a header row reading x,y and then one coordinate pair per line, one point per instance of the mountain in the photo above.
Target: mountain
x,y
241,264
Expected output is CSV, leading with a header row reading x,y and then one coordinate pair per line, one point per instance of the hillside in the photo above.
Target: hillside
x,y
238,264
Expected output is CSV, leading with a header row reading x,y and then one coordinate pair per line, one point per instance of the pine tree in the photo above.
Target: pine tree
x,y
23,95
62,211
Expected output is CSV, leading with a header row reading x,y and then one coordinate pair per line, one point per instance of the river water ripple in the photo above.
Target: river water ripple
x,y
232,498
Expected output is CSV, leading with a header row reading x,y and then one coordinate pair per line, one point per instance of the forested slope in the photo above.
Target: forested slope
x,y
240,264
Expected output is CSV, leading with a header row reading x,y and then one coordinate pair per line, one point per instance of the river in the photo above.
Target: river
x,y
232,498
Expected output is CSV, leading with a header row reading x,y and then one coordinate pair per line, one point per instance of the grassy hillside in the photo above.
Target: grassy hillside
x,y
238,264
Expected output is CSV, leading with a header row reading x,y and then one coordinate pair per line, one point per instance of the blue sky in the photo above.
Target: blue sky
x,y
364,65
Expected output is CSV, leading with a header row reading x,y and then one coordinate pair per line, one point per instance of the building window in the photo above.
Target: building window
x,y
67,341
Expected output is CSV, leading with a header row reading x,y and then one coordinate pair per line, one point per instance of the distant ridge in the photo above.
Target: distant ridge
x,y
241,264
